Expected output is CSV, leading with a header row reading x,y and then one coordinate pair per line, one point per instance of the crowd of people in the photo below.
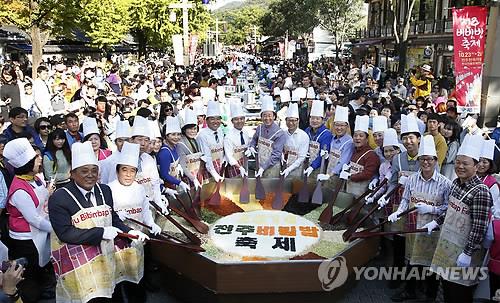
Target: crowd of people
x,y
87,144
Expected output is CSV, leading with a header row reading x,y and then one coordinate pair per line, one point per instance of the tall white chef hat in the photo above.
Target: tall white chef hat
x,y
123,129
317,109
285,95
207,94
213,109
236,109
427,147
276,91
140,127
267,104
90,126
341,114
199,109
189,117
129,154
154,129
409,124
488,149
471,147
172,125
391,139
311,94
301,92
379,123
18,152
361,123
82,154
292,111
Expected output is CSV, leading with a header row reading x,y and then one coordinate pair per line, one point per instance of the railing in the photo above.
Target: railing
x,y
427,27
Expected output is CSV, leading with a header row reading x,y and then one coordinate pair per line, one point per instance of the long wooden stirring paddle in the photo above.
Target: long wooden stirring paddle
x,y
260,192
363,234
317,197
244,192
326,214
354,213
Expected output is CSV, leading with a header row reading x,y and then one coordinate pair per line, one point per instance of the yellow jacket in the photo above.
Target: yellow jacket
x,y
422,87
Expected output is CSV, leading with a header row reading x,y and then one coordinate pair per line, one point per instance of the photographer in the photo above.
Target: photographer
x,y
9,280
421,80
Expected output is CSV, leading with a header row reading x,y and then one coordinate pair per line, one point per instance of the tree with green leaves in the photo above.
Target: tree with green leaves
x,y
40,20
341,18
297,18
240,23
105,22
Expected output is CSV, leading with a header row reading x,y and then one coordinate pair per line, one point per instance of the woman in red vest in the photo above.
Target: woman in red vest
x,y
29,226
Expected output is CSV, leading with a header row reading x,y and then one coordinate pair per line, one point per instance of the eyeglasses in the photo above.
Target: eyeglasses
x,y
428,160
44,127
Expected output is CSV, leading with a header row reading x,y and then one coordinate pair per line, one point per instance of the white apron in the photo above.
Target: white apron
x,y
292,156
265,147
360,187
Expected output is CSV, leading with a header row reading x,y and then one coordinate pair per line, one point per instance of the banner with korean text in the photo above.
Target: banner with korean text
x,y
469,38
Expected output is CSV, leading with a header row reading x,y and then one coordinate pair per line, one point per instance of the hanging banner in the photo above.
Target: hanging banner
x,y
469,38
178,49
282,49
193,44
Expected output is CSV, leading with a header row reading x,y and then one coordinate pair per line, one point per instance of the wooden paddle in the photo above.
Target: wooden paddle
x,y
215,197
340,214
354,213
195,248
303,196
278,197
347,234
244,192
185,231
317,197
196,203
387,220
189,210
164,234
197,224
260,192
363,234
326,214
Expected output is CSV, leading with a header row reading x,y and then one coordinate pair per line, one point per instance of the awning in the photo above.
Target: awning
x,y
368,42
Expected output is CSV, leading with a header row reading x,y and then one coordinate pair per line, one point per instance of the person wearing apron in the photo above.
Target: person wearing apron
x,y
211,142
189,151
107,167
269,140
297,144
463,226
147,173
341,147
91,133
320,139
87,258
364,162
485,170
29,227
403,165
379,126
235,142
391,148
168,160
131,202
427,190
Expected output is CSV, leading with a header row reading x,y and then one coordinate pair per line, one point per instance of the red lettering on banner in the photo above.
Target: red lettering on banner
x,y
92,215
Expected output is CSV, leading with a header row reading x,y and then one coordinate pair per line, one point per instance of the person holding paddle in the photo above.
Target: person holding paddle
x,y
403,165
269,139
364,162
319,137
428,191
463,226
211,142
296,145
189,151
235,142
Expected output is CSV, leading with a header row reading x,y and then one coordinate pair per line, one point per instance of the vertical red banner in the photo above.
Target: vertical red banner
x,y
469,37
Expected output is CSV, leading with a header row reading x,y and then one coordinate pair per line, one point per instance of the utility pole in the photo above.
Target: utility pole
x,y
255,39
185,6
217,22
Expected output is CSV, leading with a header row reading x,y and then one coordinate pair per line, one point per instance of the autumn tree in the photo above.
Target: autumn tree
x,y
240,23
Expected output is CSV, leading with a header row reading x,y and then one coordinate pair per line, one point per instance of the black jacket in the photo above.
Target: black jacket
x,y
62,207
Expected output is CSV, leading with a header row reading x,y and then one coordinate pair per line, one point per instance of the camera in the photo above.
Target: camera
x,y
21,261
